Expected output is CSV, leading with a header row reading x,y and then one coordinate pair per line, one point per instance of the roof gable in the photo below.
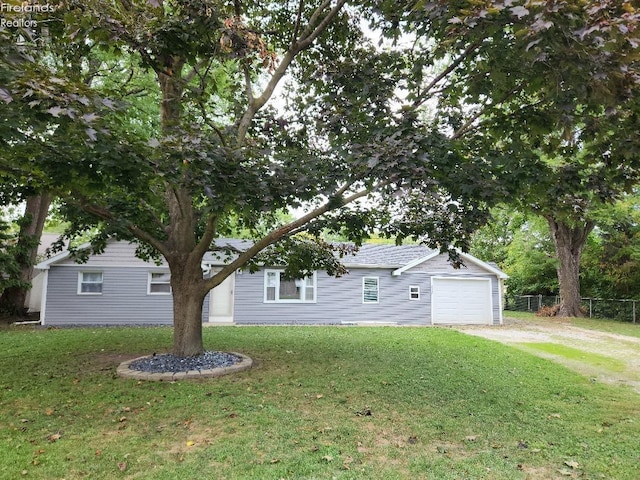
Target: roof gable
x,y
466,257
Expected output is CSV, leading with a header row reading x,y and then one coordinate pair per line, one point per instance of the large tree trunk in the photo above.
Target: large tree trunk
x,y
13,298
569,242
187,283
188,295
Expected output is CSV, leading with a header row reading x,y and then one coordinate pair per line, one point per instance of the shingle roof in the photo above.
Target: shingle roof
x,y
367,254
384,254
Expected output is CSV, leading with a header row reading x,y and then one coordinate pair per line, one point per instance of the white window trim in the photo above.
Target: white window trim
x,y
80,282
364,300
414,289
277,286
150,277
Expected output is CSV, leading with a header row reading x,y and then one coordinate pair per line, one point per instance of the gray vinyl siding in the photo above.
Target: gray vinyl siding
x,y
124,298
116,254
338,300
440,264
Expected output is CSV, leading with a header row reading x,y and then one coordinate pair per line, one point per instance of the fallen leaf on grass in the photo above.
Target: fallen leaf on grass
x,y
470,438
54,437
122,466
572,463
190,443
319,396
327,458
565,472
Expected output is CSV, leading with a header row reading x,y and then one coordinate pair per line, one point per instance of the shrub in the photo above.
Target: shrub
x,y
548,311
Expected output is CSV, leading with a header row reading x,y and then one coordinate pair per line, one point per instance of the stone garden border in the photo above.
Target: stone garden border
x,y
125,372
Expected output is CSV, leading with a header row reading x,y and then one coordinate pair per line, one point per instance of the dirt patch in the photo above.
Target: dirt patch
x,y
103,362
624,351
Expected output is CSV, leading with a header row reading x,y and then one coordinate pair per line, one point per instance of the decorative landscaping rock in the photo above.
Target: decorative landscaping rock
x,y
171,368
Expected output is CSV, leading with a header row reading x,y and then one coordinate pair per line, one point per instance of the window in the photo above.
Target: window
x,y
414,292
370,290
89,283
159,283
278,288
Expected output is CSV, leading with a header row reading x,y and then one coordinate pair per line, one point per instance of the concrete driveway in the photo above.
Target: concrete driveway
x,y
602,356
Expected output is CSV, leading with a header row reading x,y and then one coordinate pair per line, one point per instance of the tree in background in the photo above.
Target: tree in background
x,y
612,256
23,255
27,136
523,247
571,133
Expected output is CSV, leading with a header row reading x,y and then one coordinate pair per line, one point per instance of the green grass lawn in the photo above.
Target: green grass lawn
x,y
597,360
320,403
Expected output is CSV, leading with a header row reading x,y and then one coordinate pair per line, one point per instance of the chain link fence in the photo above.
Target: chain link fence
x,y
623,310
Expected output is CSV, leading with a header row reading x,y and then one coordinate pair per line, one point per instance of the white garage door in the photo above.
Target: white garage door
x,y
461,301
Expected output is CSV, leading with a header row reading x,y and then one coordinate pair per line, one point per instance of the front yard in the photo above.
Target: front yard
x,y
604,350
320,403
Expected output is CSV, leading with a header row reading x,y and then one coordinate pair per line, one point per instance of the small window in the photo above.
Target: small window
x,y
370,290
90,283
159,283
414,292
278,288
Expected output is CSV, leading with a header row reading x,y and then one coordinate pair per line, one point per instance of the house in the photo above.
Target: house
x,y
404,285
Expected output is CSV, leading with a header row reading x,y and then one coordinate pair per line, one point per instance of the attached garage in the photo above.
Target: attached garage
x,y
461,301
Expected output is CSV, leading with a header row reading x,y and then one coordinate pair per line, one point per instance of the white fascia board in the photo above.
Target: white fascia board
x,y
413,263
499,273
371,265
45,264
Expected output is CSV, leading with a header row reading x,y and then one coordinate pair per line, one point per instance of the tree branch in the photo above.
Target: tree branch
x,y
468,125
275,235
311,32
296,28
452,66
303,42
105,214
207,237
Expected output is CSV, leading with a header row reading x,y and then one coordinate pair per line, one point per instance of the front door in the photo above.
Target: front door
x,y
221,301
